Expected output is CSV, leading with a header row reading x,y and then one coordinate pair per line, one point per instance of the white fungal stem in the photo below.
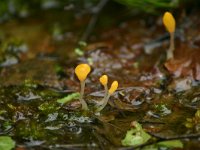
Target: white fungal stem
x,y
170,52
105,101
83,103
105,95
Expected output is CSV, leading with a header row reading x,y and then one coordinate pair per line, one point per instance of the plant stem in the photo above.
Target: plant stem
x,y
170,52
83,103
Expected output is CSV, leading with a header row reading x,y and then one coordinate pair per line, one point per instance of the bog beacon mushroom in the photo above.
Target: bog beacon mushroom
x,y
104,81
112,89
82,71
170,23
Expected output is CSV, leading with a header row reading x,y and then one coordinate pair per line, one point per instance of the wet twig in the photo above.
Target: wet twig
x,y
101,140
151,122
177,137
95,11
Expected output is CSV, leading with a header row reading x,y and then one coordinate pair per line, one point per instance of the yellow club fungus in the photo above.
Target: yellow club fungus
x,y
82,72
104,81
112,89
170,24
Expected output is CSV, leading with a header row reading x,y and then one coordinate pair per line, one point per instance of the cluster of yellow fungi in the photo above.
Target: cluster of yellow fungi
x,y
104,81
170,24
82,71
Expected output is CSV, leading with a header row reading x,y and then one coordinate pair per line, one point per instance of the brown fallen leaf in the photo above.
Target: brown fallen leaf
x,y
186,64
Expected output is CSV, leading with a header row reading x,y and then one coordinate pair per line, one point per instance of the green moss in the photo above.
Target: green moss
x,y
49,107
6,143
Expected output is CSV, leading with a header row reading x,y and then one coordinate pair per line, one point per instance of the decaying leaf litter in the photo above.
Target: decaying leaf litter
x,y
163,96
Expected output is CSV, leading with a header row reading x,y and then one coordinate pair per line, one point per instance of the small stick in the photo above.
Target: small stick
x,y
96,11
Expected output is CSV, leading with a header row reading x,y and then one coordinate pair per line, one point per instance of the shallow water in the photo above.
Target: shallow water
x,y
37,69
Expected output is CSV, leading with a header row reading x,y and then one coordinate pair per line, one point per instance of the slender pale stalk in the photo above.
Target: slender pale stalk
x,y
105,95
105,101
83,103
170,52
106,90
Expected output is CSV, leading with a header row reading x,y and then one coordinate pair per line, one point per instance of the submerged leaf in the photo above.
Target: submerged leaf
x,y
185,64
171,144
69,98
135,136
6,143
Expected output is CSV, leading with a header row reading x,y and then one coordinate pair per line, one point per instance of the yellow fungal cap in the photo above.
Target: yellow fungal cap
x,y
169,22
113,87
82,71
103,79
